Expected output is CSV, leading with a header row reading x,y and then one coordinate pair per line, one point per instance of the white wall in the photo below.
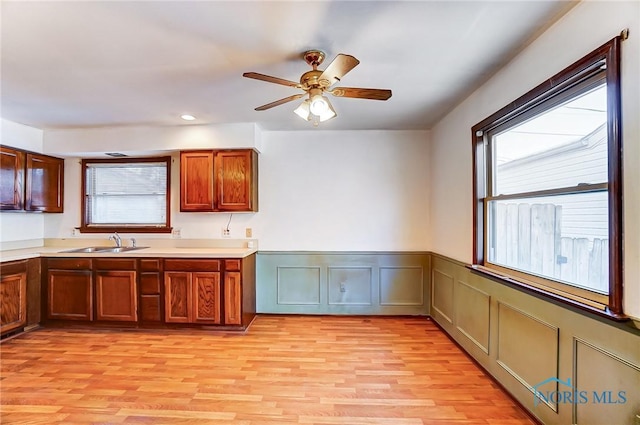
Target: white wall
x,y
319,190
344,190
20,226
586,27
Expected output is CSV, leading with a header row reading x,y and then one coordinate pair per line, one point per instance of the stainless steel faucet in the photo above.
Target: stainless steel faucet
x,y
116,237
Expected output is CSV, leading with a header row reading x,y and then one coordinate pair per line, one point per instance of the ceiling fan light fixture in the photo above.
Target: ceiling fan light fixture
x,y
319,104
327,114
303,111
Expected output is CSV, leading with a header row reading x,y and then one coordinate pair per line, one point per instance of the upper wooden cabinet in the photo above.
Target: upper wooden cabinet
x,y
196,181
11,179
45,183
31,181
221,180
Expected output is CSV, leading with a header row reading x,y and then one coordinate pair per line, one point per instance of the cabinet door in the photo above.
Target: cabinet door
x,y
233,298
11,179
13,301
236,180
44,184
178,296
206,294
196,181
70,295
116,296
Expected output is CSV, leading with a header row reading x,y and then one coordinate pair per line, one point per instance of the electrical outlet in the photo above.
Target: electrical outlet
x,y
75,232
343,287
226,233
176,233
248,232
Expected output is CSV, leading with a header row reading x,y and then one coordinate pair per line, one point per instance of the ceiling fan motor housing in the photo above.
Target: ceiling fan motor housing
x,y
314,57
311,79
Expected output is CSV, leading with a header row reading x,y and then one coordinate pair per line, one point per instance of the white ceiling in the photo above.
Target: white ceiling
x,y
112,63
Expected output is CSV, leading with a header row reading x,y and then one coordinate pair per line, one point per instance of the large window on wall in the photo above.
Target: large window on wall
x,y
548,187
126,195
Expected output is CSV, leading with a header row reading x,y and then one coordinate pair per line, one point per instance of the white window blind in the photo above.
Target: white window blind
x,y
126,194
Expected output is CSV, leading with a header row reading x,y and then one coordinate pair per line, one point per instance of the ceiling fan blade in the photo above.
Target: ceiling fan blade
x,y
270,79
375,94
338,68
280,102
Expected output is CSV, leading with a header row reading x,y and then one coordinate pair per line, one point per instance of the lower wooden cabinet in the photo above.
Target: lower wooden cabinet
x,y
206,297
13,300
192,297
232,293
116,289
116,296
150,291
178,297
69,294
20,295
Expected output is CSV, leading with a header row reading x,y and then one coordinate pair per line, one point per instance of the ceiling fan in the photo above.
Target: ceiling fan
x,y
316,83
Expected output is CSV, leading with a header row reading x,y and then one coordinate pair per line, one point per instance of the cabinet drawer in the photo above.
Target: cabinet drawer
x,y
188,265
150,308
14,267
150,265
114,264
69,263
232,265
149,283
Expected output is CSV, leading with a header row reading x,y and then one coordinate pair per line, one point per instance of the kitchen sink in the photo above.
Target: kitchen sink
x,y
106,249
89,249
123,248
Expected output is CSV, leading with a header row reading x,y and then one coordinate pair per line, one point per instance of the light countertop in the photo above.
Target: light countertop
x,y
157,252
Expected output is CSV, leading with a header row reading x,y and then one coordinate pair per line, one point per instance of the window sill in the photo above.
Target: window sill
x,y
124,229
517,284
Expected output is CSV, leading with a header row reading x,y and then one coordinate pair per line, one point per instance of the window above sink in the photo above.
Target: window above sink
x,y
126,195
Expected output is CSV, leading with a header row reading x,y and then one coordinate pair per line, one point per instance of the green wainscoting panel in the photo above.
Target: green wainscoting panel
x,y
350,285
529,360
378,283
473,312
443,294
529,344
298,285
600,377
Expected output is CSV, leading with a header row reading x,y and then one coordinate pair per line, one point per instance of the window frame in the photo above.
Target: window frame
x,y
549,92
85,227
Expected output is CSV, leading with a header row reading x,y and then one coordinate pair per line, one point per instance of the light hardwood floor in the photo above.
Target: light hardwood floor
x,y
319,370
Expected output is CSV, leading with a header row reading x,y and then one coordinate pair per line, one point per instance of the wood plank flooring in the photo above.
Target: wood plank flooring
x,y
315,370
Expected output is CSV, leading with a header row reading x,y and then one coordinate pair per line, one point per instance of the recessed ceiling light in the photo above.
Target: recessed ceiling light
x,y
187,117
